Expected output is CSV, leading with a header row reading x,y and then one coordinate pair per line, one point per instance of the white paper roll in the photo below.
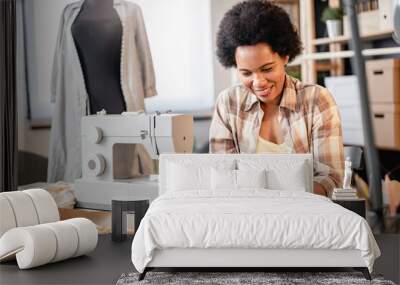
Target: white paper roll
x,y
24,210
67,239
45,205
7,217
87,235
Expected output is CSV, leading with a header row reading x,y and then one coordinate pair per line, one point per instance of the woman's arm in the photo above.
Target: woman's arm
x,y
327,144
221,136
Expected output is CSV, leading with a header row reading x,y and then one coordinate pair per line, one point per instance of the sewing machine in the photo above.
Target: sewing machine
x,y
114,145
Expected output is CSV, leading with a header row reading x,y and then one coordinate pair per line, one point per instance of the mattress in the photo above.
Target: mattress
x,y
251,219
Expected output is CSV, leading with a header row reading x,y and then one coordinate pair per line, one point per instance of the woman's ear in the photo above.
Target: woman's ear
x,y
285,59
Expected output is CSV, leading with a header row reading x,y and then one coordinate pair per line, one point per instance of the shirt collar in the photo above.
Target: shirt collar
x,y
288,99
289,96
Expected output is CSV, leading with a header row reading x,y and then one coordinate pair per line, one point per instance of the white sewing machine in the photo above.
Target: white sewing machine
x,y
110,143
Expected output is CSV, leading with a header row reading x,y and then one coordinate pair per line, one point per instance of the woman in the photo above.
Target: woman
x,y
271,111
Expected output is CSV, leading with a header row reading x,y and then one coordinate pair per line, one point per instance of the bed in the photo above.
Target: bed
x,y
247,211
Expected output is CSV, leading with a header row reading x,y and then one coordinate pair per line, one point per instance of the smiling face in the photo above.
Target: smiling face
x,y
262,71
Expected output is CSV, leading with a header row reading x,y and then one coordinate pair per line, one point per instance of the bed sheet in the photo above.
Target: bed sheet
x,y
251,218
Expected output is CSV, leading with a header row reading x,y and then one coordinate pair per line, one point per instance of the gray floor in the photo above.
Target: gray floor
x,y
111,259
103,266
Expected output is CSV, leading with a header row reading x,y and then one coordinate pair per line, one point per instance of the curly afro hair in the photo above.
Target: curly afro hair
x,y
252,22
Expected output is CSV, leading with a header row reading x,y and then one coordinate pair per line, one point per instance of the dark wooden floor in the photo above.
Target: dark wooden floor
x,y
111,259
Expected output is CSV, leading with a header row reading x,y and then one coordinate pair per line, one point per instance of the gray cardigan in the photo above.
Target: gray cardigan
x,y
68,92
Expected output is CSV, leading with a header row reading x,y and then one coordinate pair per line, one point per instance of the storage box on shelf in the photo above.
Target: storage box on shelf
x,y
385,116
386,14
386,122
383,80
368,23
384,95
374,21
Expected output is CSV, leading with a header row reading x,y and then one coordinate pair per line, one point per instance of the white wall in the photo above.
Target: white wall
x,y
182,40
223,77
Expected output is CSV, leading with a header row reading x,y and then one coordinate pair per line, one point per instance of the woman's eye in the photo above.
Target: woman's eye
x,y
246,74
266,69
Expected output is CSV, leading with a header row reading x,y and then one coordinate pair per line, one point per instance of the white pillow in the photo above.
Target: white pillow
x,y
183,177
223,179
226,179
251,178
296,179
288,174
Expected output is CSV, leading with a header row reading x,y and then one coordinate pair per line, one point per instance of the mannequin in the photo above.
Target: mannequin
x,y
97,32
92,70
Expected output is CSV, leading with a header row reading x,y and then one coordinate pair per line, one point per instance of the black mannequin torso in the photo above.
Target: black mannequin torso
x,y
97,32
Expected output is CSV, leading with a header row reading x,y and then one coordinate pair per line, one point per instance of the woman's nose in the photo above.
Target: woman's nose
x,y
259,80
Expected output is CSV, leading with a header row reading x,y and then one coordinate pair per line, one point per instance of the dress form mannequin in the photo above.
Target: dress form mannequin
x,y
97,32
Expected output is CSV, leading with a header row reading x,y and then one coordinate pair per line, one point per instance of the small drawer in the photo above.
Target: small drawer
x,y
386,122
383,80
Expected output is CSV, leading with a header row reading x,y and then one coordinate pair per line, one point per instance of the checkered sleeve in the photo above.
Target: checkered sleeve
x,y
327,142
221,135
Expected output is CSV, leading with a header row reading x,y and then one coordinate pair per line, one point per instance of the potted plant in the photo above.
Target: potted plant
x,y
333,19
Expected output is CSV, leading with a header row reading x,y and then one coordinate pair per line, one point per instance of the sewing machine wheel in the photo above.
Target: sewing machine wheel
x,y
95,164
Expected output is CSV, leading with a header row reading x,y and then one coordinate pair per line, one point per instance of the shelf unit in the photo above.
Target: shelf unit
x,y
344,39
308,61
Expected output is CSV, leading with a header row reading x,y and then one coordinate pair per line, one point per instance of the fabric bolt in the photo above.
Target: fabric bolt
x,y
70,96
45,206
26,208
7,220
37,245
250,219
309,118
23,208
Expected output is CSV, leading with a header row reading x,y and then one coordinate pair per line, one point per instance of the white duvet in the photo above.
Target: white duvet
x,y
250,219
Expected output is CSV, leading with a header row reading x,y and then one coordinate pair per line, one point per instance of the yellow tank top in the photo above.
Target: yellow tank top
x,y
264,146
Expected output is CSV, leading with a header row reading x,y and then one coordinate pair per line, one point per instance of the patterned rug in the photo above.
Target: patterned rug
x,y
229,278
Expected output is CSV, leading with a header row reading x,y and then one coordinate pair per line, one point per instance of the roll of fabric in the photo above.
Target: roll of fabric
x,y
67,240
46,207
23,208
87,234
40,244
33,246
7,218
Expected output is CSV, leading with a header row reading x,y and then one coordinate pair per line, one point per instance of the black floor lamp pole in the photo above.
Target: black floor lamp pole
x,y
371,154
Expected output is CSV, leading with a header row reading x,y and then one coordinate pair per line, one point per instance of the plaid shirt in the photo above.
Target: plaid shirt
x,y
309,119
